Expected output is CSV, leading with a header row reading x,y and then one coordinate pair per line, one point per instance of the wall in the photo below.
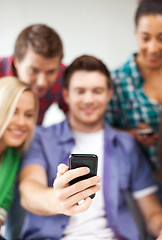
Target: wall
x,y
104,28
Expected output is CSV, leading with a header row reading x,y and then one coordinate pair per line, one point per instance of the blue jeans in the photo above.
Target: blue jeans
x,y
15,218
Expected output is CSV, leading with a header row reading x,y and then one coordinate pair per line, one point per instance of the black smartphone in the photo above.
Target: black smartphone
x,y
83,160
146,131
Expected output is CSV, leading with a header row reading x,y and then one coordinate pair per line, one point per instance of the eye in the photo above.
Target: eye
x,y
34,70
98,91
145,39
80,91
52,71
29,115
16,112
160,39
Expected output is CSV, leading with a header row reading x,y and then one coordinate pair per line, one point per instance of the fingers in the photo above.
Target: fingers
x,y
147,140
69,175
67,196
80,208
88,186
143,126
74,199
82,185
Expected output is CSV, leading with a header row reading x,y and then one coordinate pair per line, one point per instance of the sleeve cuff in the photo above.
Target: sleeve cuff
x,y
145,192
3,214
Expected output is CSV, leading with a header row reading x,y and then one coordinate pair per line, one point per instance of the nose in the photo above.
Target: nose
x,y
41,80
153,46
20,120
88,97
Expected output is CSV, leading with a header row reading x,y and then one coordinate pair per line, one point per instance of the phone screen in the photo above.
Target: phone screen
x,y
145,131
83,160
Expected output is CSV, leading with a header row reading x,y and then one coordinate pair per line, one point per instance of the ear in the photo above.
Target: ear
x,y
109,95
65,95
15,62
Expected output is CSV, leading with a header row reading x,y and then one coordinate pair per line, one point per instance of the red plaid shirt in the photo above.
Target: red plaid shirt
x,y
54,94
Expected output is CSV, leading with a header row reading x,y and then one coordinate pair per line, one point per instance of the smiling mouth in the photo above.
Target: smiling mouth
x,y
17,133
88,111
154,58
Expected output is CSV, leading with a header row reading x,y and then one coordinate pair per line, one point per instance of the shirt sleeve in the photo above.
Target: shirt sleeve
x,y
3,214
142,176
145,192
35,154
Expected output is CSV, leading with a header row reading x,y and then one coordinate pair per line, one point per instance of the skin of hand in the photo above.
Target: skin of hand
x,y
62,198
68,196
143,139
1,222
160,236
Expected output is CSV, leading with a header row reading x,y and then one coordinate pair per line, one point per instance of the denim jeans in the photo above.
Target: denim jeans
x,y
15,218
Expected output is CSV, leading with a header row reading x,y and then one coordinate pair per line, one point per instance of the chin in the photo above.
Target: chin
x,y
150,65
15,144
41,93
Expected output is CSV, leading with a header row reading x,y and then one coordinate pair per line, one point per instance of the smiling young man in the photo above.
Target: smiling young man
x,y
37,61
54,212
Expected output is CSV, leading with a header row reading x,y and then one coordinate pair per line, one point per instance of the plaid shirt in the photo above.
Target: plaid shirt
x,y
130,106
54,94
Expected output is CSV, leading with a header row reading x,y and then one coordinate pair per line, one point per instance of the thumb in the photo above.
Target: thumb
x,y
61,169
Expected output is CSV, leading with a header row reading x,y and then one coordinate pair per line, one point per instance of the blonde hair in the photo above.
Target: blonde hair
x,y
11,89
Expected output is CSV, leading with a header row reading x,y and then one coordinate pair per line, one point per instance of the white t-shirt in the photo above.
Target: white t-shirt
x,y
91,224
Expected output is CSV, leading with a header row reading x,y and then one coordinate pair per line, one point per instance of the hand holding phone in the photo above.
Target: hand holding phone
x,y
83,160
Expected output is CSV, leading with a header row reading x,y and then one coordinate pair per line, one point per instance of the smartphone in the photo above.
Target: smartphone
x,y
83,160
146,131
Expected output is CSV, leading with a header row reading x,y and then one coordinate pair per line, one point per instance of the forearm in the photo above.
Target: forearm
x,y
37,198
154,226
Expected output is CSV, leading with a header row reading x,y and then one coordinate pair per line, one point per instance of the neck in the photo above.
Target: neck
x,y
2,149
87,127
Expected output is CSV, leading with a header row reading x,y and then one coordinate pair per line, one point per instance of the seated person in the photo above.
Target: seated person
x,y
54,212
18,111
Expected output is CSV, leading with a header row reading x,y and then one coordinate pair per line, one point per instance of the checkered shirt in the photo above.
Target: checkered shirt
x,y
130,106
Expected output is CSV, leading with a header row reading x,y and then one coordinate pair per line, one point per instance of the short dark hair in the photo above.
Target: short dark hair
x,y
148,7
40,38
87,63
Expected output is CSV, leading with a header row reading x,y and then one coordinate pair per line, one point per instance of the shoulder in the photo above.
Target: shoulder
x,y
125,70
6,66
48,132
121,139
57,85
6,60
62,66
61,69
